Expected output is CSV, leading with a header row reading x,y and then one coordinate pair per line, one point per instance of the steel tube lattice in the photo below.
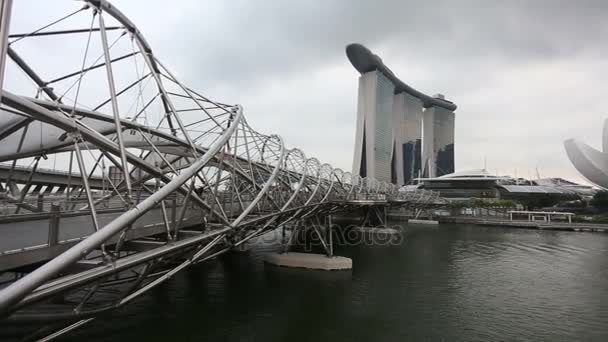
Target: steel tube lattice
x,y
161,176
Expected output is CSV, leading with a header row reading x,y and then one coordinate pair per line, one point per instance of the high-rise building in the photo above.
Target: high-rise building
x,y
401,133
374,150
407,118
438,146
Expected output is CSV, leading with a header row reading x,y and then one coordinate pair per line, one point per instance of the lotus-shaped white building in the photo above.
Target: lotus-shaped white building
x,y
591,163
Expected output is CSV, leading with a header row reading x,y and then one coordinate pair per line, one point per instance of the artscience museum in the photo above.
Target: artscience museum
x,y
591,163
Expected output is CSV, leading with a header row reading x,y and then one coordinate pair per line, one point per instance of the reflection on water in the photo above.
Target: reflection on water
x,y
452,282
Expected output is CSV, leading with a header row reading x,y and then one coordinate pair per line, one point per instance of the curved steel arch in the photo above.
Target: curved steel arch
x,y
200,154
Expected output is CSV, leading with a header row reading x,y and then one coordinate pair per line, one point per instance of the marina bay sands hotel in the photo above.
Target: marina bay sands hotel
x,y
402,134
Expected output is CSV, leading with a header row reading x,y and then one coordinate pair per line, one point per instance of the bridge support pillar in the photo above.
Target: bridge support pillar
x,y
322,228
241,248
375,222
328,234
40,202
374,216
53,237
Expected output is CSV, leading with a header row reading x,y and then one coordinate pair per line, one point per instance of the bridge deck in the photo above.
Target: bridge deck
x,y
48,177
26,238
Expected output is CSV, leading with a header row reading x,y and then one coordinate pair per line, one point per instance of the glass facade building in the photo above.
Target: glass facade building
x,y
383,137
407,118
428,132
443,141
401,133
374,137
438,142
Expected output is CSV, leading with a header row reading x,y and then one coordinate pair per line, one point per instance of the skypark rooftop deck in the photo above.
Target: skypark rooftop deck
x,y
365,61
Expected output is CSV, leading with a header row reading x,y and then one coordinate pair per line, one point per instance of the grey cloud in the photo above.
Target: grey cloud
x,y
520,71
246,40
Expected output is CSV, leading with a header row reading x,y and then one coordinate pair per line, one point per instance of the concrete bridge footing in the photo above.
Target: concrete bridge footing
x,y
309,261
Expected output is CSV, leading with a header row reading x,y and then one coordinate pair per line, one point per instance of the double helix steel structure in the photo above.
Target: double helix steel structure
x,y
114,175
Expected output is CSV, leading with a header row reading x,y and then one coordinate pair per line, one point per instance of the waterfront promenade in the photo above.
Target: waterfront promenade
x,y
494,221
502,220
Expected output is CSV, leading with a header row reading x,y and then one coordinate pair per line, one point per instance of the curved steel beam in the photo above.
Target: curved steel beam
x,y
19,289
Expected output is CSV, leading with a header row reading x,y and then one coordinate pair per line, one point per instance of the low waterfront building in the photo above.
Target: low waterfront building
x,y
480,184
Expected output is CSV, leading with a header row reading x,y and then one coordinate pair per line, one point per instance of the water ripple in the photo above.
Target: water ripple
x,y
452,283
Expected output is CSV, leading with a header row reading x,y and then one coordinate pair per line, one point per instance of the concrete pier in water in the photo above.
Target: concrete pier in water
x,y
309,261
377,230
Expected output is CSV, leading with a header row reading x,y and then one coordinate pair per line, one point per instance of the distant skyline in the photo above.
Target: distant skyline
x,y
526,76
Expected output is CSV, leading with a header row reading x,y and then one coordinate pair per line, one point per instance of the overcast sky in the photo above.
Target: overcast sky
x,y
525,75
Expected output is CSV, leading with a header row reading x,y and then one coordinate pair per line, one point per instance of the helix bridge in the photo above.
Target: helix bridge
x,y
115,175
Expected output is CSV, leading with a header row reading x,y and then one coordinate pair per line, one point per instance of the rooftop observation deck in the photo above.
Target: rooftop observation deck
x,y
365,61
